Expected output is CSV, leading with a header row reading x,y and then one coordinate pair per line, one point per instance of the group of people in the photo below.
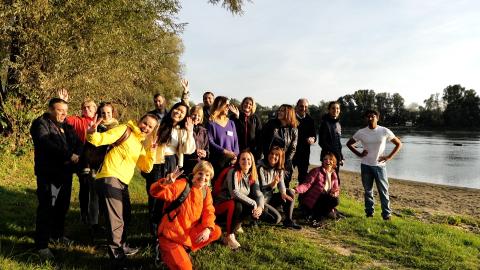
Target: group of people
x,y
202,164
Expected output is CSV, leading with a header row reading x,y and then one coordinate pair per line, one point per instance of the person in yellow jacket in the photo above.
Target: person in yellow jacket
x,y
191,226
116,173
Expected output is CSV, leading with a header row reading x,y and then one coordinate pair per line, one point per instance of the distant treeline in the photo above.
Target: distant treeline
x,y
456,109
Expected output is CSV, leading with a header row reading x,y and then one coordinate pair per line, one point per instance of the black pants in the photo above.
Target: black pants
x,y
272,201
242,212
155,207
302,167
83,194
50,219
324,205
114,201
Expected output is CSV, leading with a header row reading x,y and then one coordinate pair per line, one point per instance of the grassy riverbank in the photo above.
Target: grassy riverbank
x,y
420,236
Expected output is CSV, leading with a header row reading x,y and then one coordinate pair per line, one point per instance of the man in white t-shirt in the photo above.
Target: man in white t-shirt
x,y
373,165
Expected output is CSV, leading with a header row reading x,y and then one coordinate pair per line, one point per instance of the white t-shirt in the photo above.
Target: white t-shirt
x,y
374,141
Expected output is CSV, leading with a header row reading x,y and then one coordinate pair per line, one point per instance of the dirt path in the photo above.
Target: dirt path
x,y
431,198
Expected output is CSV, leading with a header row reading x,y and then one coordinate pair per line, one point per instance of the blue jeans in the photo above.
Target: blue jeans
x,y
379,174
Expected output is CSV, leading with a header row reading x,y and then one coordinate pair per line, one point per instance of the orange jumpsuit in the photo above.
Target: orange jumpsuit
x,y
188,220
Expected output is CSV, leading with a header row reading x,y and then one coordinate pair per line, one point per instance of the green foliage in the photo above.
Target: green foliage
x,y
119,51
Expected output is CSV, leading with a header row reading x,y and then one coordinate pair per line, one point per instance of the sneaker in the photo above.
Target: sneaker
x,y
231,242
369,215
130,251
239,229
62,240
386,218
45,254
291,224
332,214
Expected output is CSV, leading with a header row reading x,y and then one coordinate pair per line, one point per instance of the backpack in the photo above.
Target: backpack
x,y
217,186
179,201
94,156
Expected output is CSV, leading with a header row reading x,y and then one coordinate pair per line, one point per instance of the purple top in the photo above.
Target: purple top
x,y
221,138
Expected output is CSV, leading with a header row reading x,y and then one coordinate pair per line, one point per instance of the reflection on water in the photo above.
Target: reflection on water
x,y
452,159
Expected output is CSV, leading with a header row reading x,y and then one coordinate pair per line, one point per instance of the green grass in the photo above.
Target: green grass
x,y
406,242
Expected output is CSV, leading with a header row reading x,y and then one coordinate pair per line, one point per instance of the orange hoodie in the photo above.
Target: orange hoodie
x,y
194,215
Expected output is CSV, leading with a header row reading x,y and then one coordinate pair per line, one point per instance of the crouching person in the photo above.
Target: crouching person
x,y
191,225
238,196
320,190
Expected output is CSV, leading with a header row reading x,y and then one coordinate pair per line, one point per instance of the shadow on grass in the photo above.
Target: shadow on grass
x,y
17,227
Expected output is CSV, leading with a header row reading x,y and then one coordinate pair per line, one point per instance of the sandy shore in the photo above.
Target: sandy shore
x,y
423,197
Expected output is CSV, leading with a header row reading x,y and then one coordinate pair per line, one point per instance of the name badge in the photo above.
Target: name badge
x,y
229,133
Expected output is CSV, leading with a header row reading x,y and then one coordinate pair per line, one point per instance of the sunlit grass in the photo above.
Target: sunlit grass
x,y
351,243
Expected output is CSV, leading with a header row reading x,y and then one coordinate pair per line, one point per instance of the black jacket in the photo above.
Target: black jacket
x,y
329,137
54,144
249,133
284,137
306,129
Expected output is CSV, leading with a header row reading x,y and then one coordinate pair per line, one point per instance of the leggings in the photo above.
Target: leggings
x,y
235,212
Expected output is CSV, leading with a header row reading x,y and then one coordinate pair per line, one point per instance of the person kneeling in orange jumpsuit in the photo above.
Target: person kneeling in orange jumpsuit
x,y
191,225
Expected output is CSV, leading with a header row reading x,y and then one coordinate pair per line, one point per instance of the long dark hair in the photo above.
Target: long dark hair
x,y
166,126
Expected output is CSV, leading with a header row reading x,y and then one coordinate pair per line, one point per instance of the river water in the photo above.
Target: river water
x,y
448,159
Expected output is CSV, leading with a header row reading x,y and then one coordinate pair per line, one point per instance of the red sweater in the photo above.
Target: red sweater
x,y
80,125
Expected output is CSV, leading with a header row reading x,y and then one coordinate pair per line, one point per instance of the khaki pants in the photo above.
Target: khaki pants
x,y
114,202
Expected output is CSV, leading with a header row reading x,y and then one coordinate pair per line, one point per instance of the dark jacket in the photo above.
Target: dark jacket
x,y
201,142
249,132
306,129
284,137
329,137
54,144
158,114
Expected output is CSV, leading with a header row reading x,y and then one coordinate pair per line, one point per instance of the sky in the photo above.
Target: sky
x,y
279,50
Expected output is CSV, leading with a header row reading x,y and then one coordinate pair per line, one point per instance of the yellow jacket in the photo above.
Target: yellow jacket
x,y
121,160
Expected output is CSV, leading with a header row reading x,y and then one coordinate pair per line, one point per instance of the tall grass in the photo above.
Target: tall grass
x,y
351,243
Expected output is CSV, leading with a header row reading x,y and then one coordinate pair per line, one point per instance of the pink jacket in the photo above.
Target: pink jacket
x,y
314,186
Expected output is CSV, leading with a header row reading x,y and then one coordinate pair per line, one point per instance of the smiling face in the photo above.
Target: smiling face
x,y
273,158
247,106
89,109
201,178
147,124
107,113
329,162
59,112
302,107
334,110
281,113
245,162
207,100
178,114
196,118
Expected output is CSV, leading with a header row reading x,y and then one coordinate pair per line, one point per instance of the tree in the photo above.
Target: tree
x,y
461,107
85,47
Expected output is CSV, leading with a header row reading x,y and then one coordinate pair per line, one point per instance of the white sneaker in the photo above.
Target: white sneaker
x,y
45,254
231,242
239,229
